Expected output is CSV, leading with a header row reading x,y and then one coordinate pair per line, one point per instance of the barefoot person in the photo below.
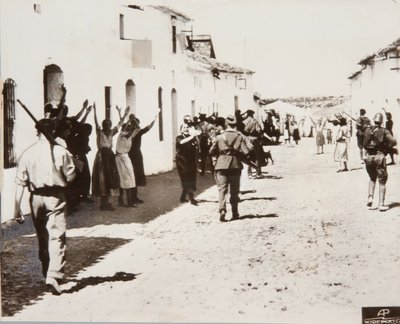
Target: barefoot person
x,y
377,142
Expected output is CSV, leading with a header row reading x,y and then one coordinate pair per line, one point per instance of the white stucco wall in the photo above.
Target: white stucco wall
x,y
83,39
377,87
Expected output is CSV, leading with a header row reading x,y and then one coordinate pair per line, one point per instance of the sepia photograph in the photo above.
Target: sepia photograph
x,y
200,161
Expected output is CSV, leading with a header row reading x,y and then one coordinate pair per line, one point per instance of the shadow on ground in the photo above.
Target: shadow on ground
x,y
22,280
94,281
259,198
254,216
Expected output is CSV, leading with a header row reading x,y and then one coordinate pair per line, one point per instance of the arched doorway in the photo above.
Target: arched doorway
x,y
53,79
130,93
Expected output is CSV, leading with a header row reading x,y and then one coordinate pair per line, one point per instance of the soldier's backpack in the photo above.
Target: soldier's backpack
x,y
373,140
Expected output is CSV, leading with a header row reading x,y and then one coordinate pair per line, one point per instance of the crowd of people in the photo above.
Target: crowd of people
x,y
56,171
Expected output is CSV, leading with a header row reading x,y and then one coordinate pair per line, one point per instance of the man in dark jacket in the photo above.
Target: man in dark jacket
x,y
229,147
377,143
362,123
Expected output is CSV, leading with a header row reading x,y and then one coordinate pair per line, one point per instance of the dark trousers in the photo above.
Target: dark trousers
x,y
228,179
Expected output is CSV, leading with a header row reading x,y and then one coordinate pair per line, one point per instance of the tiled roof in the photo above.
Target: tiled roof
x,y
215,64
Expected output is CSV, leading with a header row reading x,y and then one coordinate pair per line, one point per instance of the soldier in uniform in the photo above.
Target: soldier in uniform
x,y
229,146
377,143
362,123
253,131
46,170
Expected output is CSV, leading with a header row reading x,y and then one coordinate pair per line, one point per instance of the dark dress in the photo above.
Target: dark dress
x,y
186,163
135,154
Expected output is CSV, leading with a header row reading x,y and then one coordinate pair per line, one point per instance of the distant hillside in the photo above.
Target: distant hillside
x,y
313,102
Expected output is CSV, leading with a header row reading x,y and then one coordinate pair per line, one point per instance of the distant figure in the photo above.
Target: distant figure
x,y
135,154
389,127
362,123
186,147
295,126
377,142
320,138
228,147
46,170
342,142
253,131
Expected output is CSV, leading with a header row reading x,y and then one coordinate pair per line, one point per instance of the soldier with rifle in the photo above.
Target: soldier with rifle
x,y
46,168
362,123
230,149
377,143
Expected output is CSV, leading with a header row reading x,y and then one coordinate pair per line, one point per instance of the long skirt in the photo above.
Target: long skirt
x,y
125,171
341,153
188,179
320,139
105,174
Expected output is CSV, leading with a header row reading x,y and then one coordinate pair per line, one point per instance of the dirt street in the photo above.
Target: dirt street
x,y
306,249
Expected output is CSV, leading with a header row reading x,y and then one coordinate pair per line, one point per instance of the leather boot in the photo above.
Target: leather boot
x,y
192,200
183,196
235,213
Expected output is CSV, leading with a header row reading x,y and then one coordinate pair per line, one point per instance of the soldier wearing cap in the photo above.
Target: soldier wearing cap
x,y
377,142
229,147
46,170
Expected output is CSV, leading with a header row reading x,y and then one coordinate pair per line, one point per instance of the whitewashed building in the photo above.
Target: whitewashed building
x,y
112,53
377,84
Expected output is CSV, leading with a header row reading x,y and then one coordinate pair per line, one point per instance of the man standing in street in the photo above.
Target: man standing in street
x,y
229,147
377,143
362,123
46,169
253,131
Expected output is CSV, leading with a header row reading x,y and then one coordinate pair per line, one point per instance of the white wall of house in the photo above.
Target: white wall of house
x,y
378,86
83,39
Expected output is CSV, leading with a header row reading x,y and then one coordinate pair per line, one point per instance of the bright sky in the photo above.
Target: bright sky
x,y
296,47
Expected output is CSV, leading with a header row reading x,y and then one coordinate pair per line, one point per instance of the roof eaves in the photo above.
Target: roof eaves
x,y
173,12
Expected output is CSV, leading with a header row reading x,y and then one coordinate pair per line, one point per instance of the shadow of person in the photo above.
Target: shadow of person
x,y
94,281
259,198
394,205
275,177
247,191
254,216
205,201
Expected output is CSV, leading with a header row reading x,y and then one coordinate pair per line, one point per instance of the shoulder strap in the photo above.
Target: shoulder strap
x,y
226,141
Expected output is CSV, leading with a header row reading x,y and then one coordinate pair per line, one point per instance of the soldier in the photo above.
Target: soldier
x,y
377,142
46,170
229,146
362,123
252,129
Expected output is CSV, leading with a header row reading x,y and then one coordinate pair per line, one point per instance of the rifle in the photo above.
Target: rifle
x,y
46,134
78,164
350,116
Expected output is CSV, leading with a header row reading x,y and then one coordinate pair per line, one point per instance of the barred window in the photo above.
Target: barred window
x,y
10,159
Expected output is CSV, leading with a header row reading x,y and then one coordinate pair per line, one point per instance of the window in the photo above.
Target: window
x,y
121,27
130,94
37,8
107,93
53,79
173,19
160,120
10,159
236,100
